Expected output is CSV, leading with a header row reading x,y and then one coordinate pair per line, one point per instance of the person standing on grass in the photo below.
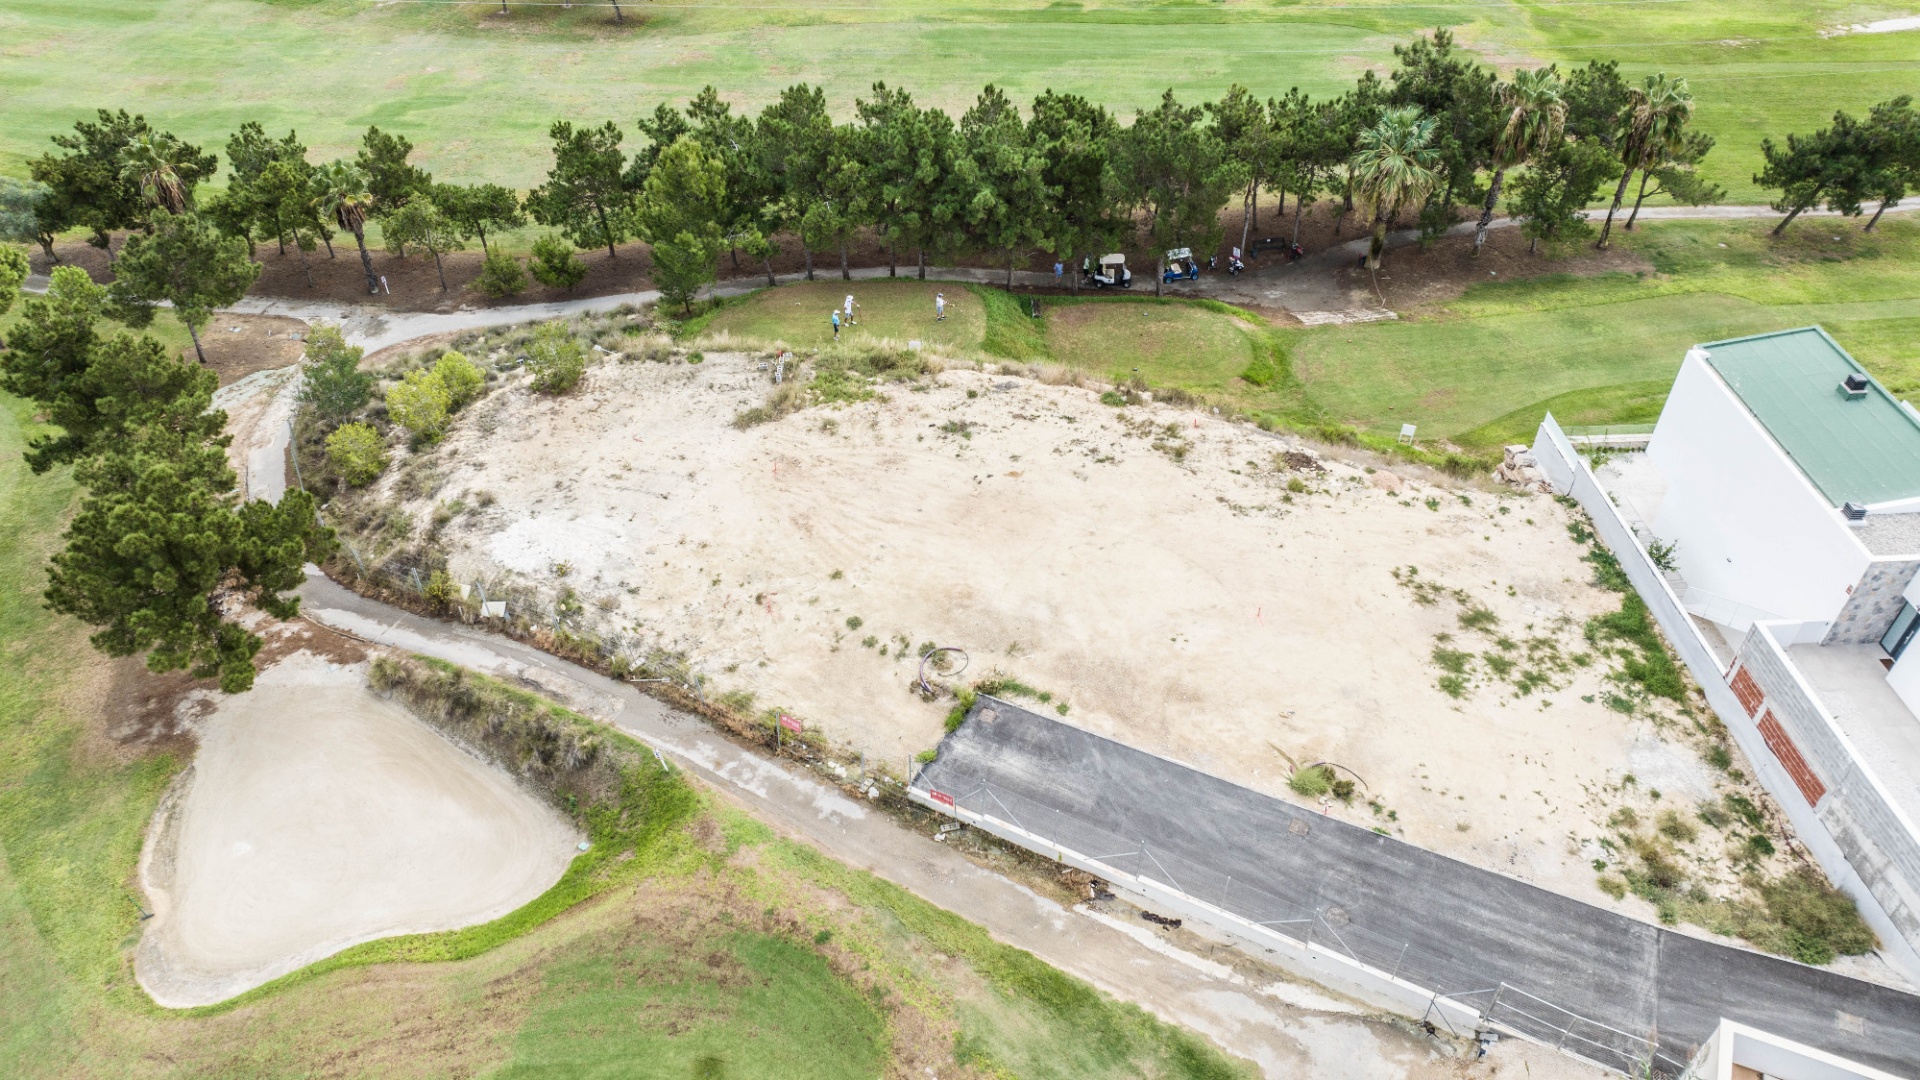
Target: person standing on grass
x,y
939,307
849,309
1057,271
836,326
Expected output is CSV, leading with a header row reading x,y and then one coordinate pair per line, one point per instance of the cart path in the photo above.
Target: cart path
x,y
1303,286
1288,1029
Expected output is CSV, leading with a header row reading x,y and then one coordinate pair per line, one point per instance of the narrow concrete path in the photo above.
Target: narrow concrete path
x,y
1290,1030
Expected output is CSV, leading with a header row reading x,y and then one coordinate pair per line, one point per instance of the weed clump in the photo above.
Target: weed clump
x,y
1312,781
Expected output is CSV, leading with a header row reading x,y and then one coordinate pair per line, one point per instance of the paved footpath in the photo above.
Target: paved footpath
x,y
1289,1030
1444,924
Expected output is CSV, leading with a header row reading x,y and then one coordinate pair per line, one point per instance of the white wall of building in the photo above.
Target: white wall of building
x,y
1751,528
1905,676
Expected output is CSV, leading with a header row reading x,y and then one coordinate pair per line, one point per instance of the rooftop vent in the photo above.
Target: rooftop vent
x,y
1853,511
1854,386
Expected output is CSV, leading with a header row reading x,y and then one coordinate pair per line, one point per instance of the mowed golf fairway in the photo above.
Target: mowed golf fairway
x,y
1502,348
477,89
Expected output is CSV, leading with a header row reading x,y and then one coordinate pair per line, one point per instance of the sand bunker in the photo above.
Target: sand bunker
x,y
1155,571
317,816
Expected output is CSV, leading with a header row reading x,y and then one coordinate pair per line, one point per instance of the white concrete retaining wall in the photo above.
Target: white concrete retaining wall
x,y
1872,829
1309,960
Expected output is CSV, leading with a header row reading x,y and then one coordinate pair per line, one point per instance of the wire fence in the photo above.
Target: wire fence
x,y
1328,928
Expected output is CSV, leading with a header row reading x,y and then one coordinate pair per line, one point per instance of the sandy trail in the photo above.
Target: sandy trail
x,y
1194,607
318,815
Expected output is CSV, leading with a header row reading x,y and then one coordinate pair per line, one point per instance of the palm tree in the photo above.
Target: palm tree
x,y
1394,166
153,162
1656,126
1536,117
340,189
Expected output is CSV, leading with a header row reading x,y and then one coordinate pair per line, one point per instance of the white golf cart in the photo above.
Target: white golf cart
x,y
1110,271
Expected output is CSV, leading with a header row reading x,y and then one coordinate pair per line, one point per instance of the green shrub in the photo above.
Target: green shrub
x,y
501,276
1821,921
331,379
1612,886
1675,827
555,264
462,377
556,358
1744,809
357,453
441,590
1312,781
419,403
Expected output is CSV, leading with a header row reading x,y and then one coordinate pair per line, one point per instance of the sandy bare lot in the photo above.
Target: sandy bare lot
x,y
317,816
1147,568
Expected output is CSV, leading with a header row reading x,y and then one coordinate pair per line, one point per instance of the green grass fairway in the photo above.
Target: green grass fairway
x,y
1478,371
763,1005
476,89
899,311
1168,344
1503,351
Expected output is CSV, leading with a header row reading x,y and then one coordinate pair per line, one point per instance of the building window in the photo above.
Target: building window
x,y
1901,633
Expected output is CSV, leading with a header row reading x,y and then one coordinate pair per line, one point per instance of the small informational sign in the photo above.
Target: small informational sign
x,y
791,723
941,797
493,609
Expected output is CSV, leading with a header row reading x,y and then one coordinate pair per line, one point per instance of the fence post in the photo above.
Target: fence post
x,y
1403,959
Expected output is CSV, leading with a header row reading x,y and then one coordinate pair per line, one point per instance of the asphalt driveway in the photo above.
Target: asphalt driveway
x,y
1441,923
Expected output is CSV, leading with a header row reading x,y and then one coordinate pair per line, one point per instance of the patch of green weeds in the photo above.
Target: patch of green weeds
x,y
1312,781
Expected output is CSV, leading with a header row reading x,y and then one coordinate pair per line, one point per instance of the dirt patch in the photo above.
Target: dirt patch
x,y
317,816
1155,573
239,345
1412,277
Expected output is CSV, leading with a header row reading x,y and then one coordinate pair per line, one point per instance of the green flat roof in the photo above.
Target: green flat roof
x,y
1864,450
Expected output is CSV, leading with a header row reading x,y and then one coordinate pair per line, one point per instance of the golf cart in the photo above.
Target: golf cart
x,y
1111,270
1180,265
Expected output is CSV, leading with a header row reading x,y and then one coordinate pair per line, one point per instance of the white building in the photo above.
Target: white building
x,y
1773,527
1792,494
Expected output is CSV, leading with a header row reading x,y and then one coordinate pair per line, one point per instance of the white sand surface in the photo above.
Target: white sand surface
x,y
1192,607
318,815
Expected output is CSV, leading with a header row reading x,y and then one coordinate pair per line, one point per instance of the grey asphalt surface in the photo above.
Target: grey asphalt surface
x,y
1463,929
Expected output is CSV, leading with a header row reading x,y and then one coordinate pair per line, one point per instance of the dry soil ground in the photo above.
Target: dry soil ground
x,y
318,815
1162,576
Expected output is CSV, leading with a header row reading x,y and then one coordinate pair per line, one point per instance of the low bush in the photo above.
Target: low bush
x,y
462,377
357,453
1312,781
556,358
1819,920
420,403
554,263
501,276
1674,827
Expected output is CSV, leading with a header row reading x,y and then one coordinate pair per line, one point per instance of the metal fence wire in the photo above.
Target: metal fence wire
x,y
1500,1004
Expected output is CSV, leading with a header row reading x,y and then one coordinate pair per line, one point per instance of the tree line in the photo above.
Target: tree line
x,y
162,546
1439,134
